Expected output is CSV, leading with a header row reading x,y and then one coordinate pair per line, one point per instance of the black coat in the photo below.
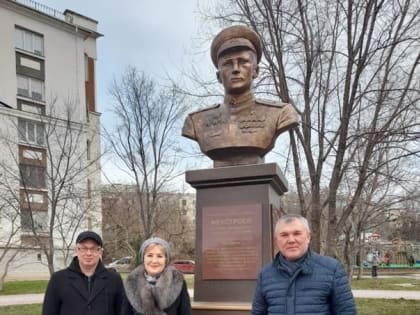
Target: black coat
x,y
169,296
67,292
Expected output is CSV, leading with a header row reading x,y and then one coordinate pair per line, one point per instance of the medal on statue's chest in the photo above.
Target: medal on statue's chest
x,y
215,123
252,122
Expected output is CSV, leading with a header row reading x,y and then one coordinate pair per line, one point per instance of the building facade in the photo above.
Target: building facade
x,y
49,134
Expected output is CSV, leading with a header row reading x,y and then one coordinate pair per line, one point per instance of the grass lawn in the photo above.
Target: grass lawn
x,y
190,281
31,309
386,284
39,286
387,307
24,287
364,306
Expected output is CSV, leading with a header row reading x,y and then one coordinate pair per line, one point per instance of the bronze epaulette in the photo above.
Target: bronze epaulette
x,y
270,103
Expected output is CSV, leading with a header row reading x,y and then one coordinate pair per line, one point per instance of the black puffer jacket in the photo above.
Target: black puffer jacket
x,y
169,296
67,292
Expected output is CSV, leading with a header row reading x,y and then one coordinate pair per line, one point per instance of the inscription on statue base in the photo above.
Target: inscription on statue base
x,y
231,242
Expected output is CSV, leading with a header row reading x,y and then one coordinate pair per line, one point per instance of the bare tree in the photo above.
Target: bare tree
x,y
145,142
351,70
9,206
9,247
120,224
121,227
50,172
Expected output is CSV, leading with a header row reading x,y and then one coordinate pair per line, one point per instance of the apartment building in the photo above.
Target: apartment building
x,y
49,134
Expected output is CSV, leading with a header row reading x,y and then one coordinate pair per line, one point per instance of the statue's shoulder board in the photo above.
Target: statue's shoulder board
x,y
270,103
205,109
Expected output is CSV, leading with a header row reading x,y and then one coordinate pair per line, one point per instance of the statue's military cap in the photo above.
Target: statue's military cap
x,y
235,36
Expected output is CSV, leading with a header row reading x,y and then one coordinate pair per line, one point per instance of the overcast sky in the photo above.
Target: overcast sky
x,y
159,37
156,36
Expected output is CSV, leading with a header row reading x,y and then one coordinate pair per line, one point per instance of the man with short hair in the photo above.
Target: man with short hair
x,y
242,129
86,287
299,281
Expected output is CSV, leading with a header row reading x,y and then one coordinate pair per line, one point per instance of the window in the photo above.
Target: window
x,y
32,176
29,41
88,149
23,86
25,219
86,68
89,189
38,219
36,200
31,107
30,87
35,197
31,131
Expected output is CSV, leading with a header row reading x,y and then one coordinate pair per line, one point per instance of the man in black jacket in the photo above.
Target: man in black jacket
x,y
86,287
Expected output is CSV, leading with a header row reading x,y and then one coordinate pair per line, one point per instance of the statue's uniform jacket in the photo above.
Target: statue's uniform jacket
x,y
251,126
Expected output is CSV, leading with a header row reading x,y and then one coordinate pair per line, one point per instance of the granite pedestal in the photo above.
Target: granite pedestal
x,y
235,211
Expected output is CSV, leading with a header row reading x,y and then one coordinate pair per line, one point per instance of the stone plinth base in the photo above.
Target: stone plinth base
x,y
220,308
236,207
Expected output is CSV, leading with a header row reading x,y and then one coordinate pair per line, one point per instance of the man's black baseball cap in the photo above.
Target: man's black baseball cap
x,y
89,235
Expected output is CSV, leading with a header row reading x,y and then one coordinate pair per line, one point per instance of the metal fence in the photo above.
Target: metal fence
x,y
42,8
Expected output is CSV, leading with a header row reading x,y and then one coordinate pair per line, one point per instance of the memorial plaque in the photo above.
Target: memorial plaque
x,y
232,237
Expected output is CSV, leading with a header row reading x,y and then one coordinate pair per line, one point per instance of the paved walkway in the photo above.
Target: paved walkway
x,y
6,300
18,299
387,294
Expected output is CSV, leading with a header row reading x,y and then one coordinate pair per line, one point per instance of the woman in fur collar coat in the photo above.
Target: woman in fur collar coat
x,y
155,287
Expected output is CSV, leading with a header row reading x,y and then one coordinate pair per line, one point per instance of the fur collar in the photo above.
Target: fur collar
x,y
150,299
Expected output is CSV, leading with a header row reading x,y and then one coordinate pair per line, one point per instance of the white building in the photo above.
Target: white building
x,y
49,133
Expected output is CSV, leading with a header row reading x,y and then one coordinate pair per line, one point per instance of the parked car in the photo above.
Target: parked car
x,y
186,266
121,265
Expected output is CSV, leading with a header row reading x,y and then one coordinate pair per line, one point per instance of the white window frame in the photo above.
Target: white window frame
x,y
26,87
31,131
29,41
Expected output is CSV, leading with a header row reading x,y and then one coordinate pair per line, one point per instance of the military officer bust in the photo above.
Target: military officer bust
x,y
243,129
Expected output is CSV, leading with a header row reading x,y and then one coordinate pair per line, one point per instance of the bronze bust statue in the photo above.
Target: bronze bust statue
x,y
243,129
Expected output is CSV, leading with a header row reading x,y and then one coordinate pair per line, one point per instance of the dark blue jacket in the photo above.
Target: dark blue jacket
x,y
319,286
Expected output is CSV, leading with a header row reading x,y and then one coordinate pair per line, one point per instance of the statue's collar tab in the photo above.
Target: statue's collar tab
x,y
239,100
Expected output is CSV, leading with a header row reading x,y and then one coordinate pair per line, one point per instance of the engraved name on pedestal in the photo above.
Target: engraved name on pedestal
x,y
231,242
